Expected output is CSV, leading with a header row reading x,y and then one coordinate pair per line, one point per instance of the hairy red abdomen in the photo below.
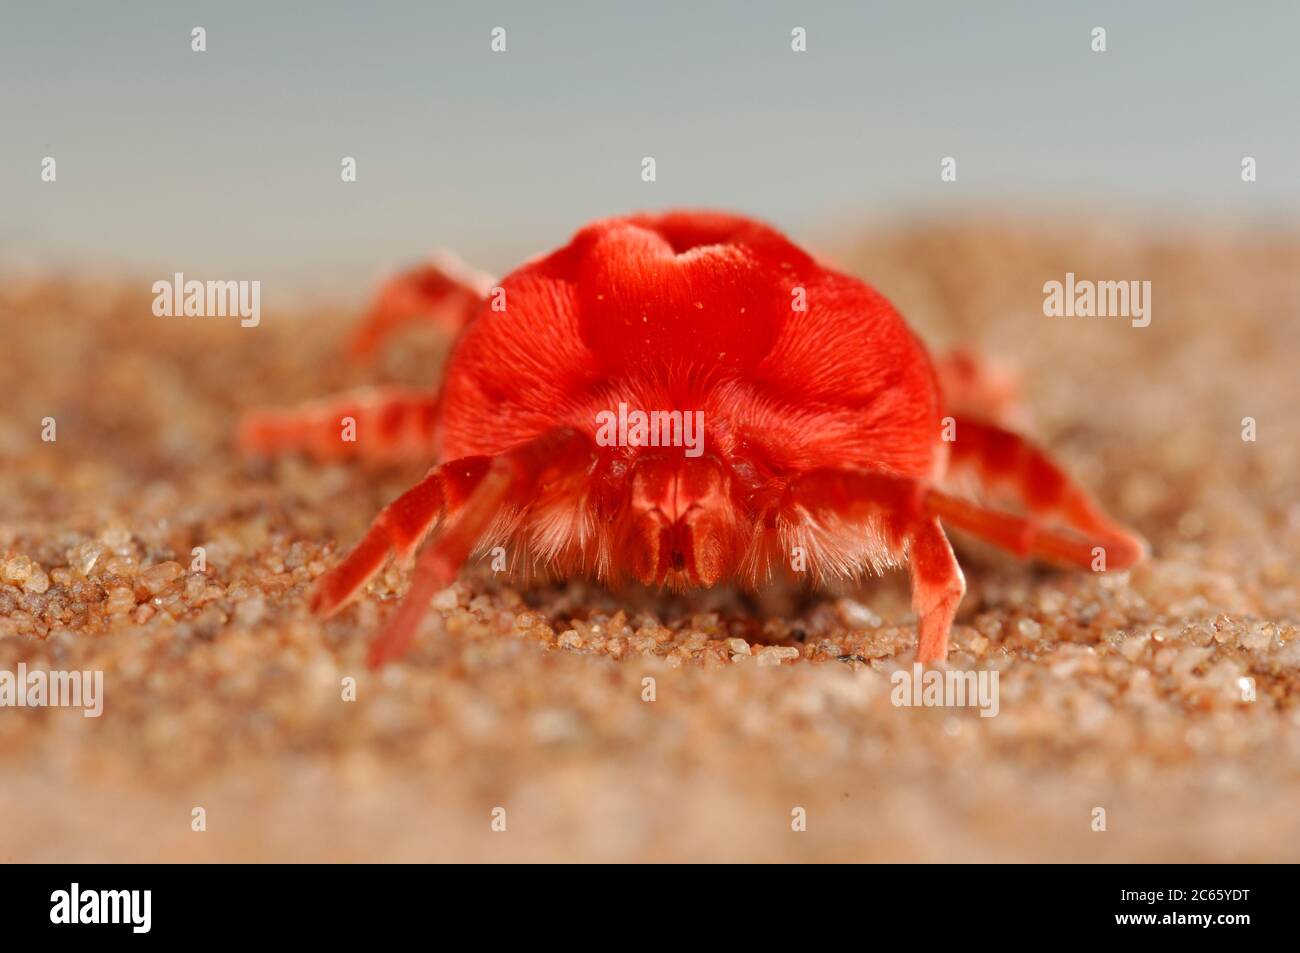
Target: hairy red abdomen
x,y
794,365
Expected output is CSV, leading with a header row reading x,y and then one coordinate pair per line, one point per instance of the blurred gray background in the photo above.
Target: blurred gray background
x,y
226,163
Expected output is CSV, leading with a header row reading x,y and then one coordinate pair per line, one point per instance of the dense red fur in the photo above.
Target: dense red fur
x,y
658,313
693,312
822,428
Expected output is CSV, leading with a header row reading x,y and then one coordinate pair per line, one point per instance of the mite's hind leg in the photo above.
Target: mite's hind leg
x,y
377,423
444,290
1005,464
974,386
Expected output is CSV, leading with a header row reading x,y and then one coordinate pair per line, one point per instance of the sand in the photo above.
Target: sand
x,y
526,707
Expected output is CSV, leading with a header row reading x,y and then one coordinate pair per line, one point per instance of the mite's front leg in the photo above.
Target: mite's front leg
x,y
937,587
895,508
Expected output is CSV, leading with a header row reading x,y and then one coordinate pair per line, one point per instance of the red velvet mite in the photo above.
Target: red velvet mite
x,y
826,444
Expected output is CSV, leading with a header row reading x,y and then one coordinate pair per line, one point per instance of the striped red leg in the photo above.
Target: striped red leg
x,y
398,530
469,493
974,386
444,289
379,423
1062,522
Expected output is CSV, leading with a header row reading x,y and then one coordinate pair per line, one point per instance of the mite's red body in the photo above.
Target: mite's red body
x,y
828,446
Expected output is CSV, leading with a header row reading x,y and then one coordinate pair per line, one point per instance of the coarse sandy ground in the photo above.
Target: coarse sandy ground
x,y
1120,692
